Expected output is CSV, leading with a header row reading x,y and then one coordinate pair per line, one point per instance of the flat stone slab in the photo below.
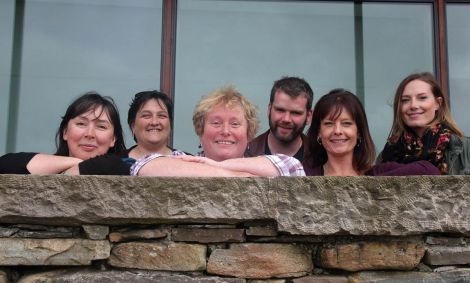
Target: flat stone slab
x,y
202,235
134,276
259,261
159,256
51,251
372,256
457,275
300,205
443,255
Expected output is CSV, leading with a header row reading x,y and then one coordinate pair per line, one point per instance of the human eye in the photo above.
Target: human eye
x,y
80,123
423,97
102,126
215,123
327,123
348,123
162,116
236,124
405,99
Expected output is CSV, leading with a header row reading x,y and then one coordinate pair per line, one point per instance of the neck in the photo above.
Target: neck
x,y
140,150
290,149
339,166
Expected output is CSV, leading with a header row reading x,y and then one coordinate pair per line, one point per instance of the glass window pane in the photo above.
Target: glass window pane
x,y
6,34
398,40
252,43
74,46
458,36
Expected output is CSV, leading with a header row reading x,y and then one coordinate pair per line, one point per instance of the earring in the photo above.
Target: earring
x,y
319,140
200,146
359,140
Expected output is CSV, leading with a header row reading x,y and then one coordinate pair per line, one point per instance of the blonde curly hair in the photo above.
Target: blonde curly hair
x,y
230,97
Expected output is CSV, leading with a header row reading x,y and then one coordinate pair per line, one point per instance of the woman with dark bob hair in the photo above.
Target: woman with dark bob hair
x,y
340,143
150,118
89,128
423,128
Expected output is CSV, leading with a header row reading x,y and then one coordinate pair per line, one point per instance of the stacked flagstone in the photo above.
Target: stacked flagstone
x,y
303,229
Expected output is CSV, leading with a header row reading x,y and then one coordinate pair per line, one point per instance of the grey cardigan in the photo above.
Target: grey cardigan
x,y
458,155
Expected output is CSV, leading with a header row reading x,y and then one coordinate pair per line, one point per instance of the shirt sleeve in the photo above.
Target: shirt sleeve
x,y
104,165
135,168
287,165
15,163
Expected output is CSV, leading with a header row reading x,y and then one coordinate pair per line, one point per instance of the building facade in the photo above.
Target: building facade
x,y
54,50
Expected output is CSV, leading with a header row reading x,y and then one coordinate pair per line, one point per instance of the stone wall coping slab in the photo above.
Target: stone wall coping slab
x,y
396,206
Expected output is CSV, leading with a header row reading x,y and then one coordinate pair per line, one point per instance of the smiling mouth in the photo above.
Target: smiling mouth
x,y
225,142
339,141
88,147
154,130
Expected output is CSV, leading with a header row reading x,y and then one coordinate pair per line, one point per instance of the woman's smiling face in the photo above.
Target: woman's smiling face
x,y
89,134
339,136
225,133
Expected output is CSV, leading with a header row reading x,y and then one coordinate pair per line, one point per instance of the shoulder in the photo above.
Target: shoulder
x,y
256,146
260,138
458,155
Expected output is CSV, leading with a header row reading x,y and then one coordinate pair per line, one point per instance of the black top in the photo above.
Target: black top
x,y
108,164
15,163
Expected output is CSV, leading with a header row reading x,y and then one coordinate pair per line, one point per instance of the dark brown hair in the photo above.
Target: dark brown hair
x,y
332,105
83,104
294,87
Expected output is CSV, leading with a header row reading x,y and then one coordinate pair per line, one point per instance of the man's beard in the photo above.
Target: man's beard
x,y
286,139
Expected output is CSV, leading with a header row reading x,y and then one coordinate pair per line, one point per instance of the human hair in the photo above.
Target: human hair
x,y
141,98
230,98
442,114
83,104
294,87
330,106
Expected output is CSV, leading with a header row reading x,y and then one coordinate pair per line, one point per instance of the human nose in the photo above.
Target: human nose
x,y
154,120
225,129
90,132
286,117
413,103
337,128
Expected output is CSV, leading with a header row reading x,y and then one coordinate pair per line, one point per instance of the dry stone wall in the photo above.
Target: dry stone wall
x,y
284,229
